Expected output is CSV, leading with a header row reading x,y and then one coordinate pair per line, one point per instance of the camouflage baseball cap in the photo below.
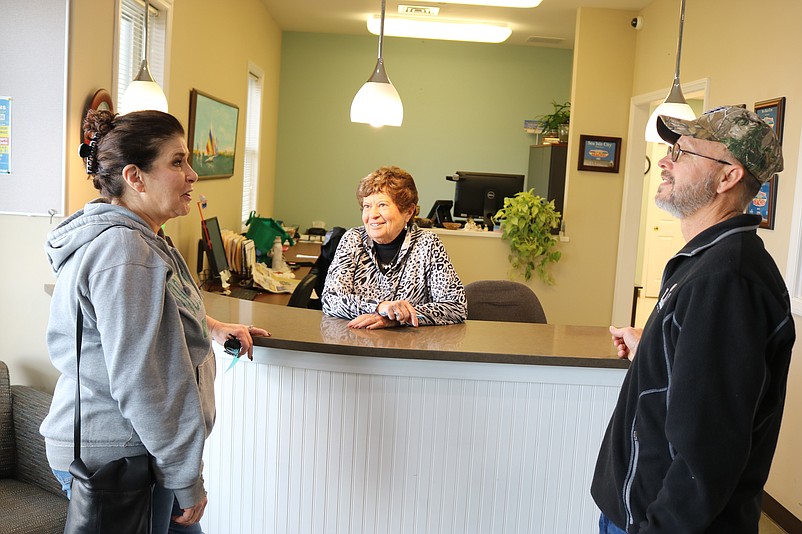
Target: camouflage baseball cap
x,y
744,134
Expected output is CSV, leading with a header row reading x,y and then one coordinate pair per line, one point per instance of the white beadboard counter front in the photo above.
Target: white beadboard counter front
x,y
479,427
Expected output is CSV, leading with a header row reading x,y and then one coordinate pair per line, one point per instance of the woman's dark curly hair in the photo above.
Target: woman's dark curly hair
x,y
395,183
134,138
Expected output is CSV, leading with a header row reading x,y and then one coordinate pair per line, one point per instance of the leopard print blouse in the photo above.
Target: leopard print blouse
x,y
421,273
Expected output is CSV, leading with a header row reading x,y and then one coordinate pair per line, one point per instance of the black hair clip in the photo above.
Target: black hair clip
x,y
89,153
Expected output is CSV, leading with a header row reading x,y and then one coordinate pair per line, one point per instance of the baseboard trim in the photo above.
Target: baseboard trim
x,y
781,515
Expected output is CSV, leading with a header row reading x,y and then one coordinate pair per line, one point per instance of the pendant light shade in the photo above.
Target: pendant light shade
x,y
143,93
377,103
674,104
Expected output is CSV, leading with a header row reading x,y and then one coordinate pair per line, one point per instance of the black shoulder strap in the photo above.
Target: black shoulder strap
x,y
79,331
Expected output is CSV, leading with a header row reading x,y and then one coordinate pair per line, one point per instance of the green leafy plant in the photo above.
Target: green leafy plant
x,y
560,115
526,222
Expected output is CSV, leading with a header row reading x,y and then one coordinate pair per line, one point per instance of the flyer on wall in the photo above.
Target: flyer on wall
x,y
5,134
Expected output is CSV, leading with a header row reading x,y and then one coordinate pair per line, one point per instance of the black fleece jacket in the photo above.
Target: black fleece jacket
x,y
690,443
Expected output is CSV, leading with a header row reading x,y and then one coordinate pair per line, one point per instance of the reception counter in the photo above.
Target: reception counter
x,y
478,427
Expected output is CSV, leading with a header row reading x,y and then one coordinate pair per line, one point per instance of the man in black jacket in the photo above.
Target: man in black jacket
x,y
690,443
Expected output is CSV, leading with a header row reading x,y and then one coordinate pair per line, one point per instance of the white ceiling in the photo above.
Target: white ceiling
x,y
553,18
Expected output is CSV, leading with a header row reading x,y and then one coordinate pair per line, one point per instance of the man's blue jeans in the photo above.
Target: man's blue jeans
x,y
608,527
165,506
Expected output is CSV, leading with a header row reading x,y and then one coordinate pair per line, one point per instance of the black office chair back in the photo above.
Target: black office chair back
x,y
302,295
503,300
327,250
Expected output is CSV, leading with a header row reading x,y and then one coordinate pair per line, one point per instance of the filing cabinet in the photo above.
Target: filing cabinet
x,y
547,172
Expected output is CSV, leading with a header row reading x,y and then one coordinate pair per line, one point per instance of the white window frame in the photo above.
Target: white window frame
x,y
159,39
794,270
253,130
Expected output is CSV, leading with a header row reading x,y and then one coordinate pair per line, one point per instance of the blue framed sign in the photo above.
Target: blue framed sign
x,y
773,113
5,135
599,154
764,202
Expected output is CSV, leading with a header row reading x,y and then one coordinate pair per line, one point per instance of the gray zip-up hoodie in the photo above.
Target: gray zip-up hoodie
x,y
147,366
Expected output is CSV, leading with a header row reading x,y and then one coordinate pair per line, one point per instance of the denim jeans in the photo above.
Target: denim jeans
x,y
165,505
608,527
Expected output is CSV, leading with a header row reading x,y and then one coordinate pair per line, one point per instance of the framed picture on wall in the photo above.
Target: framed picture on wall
x,y
599,154
212,135
773,112
764,202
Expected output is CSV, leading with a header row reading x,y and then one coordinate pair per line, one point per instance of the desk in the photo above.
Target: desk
x,y
475,427
290,255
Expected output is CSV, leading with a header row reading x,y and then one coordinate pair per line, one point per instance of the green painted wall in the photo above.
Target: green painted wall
x,y
464,107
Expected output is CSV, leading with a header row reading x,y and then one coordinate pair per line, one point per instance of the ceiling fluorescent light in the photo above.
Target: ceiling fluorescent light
x,y
491,3
449,30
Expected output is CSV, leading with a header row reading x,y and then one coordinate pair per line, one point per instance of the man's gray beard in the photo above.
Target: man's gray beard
x,y
685,202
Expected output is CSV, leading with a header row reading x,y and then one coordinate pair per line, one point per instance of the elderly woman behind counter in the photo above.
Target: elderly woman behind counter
x,y
389,272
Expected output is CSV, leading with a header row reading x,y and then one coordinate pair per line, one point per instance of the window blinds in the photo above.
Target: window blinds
x,y
252,128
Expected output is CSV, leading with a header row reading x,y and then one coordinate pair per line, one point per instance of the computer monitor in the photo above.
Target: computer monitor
x,y
482,194
211,243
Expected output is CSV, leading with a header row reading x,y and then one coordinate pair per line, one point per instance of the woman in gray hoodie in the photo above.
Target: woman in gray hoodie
x,y
147,366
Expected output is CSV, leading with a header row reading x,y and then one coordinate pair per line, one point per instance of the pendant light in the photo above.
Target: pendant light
x,y
377,103
143,93
674,104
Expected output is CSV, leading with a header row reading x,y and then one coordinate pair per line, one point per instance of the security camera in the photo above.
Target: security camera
x,y
637,23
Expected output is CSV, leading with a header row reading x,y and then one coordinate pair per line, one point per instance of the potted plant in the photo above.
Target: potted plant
x,y
552,121
526,222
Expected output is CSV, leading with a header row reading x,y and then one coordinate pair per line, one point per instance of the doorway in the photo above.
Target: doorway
x,y
647,236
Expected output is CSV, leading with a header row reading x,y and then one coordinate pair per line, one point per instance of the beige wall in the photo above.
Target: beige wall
x,y
604,53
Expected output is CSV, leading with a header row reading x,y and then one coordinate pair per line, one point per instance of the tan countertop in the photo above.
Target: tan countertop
x,y
473,341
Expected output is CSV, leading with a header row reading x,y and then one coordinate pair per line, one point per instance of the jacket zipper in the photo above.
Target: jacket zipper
x,y
630,478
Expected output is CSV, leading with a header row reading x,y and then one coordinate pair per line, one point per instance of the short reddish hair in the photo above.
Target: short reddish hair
x,y
392,181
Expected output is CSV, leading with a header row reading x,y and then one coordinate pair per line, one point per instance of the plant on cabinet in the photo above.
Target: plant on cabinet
x,y
552,121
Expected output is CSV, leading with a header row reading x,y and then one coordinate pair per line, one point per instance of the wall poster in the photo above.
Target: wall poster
x,y
5,135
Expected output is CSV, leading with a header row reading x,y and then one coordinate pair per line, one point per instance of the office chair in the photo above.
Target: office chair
x,y
327,251
503,300
303,292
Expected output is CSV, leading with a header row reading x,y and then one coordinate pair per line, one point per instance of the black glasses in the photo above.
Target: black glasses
x,y
675,150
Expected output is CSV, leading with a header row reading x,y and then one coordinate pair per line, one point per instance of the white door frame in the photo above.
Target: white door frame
x,y
632,197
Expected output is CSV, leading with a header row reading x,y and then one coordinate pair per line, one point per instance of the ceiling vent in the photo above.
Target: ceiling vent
x,y
540,39
418,10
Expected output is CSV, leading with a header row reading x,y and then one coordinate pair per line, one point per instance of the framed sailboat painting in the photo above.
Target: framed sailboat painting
x,y
212,135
